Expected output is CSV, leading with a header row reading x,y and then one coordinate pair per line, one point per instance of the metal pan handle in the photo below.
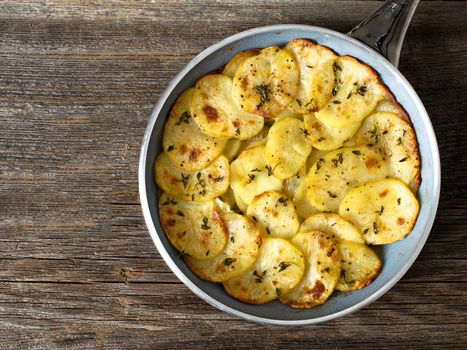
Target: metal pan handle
x,y
385,29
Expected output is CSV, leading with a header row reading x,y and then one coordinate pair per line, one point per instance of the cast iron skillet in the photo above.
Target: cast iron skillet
x,y
382,35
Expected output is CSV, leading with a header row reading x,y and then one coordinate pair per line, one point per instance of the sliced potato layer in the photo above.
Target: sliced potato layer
x,y
393,137
324,137
315,63
276,213
333,225
193,228
232,66
217,114
338,171
287,149
359,266
232,148
356,92
322,267
265,84
239,254
385,210
252,176
202,185
390,105
186,146
279,268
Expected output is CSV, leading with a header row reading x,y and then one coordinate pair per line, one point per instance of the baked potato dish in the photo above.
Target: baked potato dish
x,y
281,170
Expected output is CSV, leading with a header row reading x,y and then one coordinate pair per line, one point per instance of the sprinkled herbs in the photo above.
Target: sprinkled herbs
x,y
263,91
332,195
205,226
356,152
219,178
361,90
336,102
251,177
180,213
283,200
184,118
319,163
380,212
229,261
283,265
269,169
375,228
278,292
259,277
403,159
170,148
184,179
399,201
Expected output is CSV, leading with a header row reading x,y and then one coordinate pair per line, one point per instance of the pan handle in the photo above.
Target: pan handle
x,y
385,29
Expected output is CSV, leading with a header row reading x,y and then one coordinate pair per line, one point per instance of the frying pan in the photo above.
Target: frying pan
x,y
377,42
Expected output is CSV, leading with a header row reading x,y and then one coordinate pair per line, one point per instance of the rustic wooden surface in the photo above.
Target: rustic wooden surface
x,y
78,80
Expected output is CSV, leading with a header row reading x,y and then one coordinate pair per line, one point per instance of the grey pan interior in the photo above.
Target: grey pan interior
x,y
396,257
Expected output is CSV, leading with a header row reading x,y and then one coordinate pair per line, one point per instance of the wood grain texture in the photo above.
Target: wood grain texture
x,y
78,80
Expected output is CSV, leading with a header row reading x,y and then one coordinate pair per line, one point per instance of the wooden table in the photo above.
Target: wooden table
x,y
78,81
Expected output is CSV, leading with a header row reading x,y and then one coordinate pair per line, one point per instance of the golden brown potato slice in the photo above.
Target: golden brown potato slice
x,y
359,266
186,146
217,114
287,149
336,172
232,148
239,254
315,63
265,84
276,213
296,188
333,225
355,95
202,185
193,228
251,175
384,210
279,268
322,267
395,139
324,137
232,66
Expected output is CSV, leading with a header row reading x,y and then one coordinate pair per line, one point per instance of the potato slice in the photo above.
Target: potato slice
x,y
232,66
322,267
338,171
276,213
279,268
390,105
193,228
315,63
240,203
287,149
251,175
202,185
291,185
395,139
333,225
355,95
186,146
359,266
324,137
232,148
239,255
265,84
385,210
217,114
